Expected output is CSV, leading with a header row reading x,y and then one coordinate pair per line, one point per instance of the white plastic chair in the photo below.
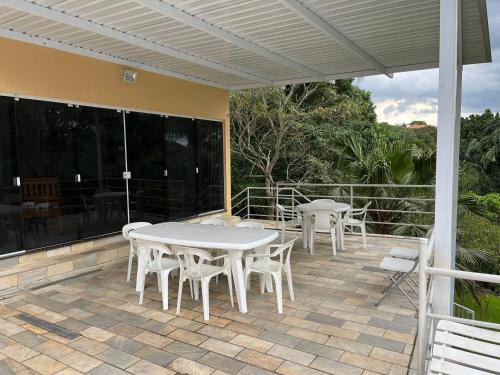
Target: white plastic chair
x,y
351,221
265,265
153,261
193,267
289,218
250,224
322,221
222,223
133,251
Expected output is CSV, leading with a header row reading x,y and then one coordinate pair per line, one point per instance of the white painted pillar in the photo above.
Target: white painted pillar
x,y
448,138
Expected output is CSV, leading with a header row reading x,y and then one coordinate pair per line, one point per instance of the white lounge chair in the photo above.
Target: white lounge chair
x,y
464,349
133,251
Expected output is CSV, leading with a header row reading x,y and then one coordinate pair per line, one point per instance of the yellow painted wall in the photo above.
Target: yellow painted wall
x,y
31,70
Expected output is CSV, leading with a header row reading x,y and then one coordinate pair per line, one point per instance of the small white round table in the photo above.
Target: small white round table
x,y
308,208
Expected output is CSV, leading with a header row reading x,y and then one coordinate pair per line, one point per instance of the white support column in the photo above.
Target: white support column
x,y
448,138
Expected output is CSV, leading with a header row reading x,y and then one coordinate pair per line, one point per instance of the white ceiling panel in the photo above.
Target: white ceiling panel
x,y
248,43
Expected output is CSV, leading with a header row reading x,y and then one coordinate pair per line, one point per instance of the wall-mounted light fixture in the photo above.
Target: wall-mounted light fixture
x,y
129,76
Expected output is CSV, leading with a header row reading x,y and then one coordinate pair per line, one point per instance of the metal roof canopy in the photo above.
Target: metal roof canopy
x,y
235,44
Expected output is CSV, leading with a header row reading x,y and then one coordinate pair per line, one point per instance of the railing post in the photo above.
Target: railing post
x,y
248,202
422,307
277,202
293,203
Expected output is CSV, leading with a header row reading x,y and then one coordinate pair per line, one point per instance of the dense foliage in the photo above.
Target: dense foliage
x,y
327,133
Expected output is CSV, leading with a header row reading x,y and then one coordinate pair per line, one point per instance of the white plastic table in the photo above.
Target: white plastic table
x,y
308,208
234,240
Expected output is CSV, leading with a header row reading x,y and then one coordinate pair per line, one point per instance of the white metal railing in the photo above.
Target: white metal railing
x,y
401,205
461,311
426,317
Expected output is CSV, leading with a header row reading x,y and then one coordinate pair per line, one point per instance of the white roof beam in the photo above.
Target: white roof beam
x,y
10,34
320,24
57,16
193,21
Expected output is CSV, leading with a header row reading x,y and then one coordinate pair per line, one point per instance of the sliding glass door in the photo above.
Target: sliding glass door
x,y
100,163
61,171
210,155
146,162
50,191
11,218
180,146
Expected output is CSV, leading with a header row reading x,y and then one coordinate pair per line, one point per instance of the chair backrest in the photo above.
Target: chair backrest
x,y
190,259
284,251
213,222
321,220
151,253
250,224
361,215
128,227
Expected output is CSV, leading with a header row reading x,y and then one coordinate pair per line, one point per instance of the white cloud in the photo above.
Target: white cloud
x,y
413,95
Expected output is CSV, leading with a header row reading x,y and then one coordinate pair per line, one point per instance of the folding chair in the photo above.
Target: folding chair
x,y
399,271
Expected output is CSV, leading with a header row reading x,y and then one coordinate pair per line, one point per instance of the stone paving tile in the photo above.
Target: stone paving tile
x,y
187,337
97,334
147,368
185,350
251,370
297,356
88,346
19,352
221,347
79,361
124,344
186,366
334,367
393,326
10,367
73,325
154,355
318,349
252,343
349,345
381,342
367,363
125,330
53,349
325,319
258,359
69,371
308,335
290,368
44,365
28,338
217,332
99,321
390,356
221,363
117,358
280,338
153,339
106,369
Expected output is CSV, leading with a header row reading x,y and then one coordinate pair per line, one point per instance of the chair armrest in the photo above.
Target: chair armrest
x,y
251,256
218,257
355,212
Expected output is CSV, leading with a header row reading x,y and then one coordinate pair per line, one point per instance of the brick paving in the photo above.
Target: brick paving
x,y
332,327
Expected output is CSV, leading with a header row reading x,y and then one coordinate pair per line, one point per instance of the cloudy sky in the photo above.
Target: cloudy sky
x,y
413,96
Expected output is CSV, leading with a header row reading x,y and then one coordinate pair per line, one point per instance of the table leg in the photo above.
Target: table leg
x,y
140,270
238,277
340,232
305,230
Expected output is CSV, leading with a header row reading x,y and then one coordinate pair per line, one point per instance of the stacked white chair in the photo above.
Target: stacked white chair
x,y
133,251
264,264
193,267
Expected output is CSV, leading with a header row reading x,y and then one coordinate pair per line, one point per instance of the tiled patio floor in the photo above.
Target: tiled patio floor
x,y
332,326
